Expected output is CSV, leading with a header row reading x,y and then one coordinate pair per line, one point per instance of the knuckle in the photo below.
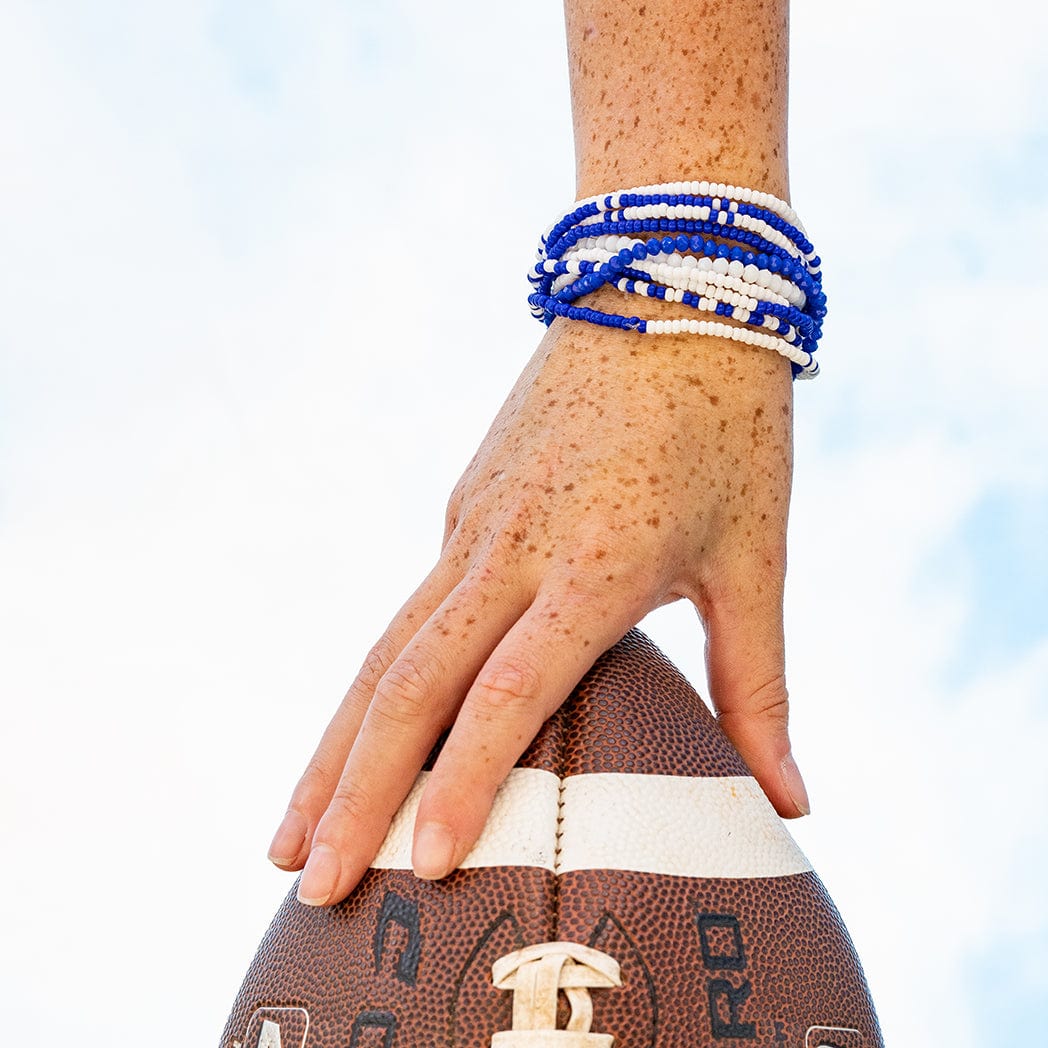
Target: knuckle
x,y
595,572
509,684
770,700
405,689
452,514
349,803
316,779
457,497
375,665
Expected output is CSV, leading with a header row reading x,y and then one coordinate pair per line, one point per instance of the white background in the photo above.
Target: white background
x,y
232,406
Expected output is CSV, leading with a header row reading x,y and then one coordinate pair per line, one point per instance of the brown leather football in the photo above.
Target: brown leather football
x,y
633,887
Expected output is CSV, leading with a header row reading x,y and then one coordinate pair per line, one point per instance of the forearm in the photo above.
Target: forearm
x,y
663,92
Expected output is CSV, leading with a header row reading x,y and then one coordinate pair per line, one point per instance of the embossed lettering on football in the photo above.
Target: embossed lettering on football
x,y
633,887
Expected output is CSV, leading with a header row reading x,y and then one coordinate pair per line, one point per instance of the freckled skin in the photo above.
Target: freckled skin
x,y
729,69
623,472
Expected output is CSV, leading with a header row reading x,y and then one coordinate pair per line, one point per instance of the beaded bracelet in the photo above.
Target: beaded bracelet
x,y
735,253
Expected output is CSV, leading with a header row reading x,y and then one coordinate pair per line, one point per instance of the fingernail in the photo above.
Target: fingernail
x,y
791,778
288,840
434,851
320,876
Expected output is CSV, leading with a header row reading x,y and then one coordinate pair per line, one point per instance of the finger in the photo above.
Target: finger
x,y
413,702
312,794
745,664
527,677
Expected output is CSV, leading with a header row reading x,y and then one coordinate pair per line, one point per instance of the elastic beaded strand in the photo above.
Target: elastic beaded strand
x,y
718,249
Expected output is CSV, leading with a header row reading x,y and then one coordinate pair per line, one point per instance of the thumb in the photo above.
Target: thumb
x,y
745,666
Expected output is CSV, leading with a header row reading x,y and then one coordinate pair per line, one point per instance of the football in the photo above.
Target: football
x,y
633,888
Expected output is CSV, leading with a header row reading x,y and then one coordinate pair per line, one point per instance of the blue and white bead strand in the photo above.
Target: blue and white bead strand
x,y
735,253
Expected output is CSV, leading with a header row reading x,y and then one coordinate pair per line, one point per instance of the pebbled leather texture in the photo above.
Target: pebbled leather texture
x,y
706,960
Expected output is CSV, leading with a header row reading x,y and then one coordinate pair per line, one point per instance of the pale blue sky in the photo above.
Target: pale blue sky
x,y
226,438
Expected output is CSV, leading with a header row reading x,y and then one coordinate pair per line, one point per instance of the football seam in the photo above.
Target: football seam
x,y
561,741
558,833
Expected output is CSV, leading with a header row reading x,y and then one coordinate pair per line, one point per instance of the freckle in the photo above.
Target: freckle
x,y
532,548
609,578
554,615
569,487
444,631
549,554
585,643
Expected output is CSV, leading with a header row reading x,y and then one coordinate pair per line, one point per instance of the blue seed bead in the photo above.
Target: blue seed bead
x,y
721,237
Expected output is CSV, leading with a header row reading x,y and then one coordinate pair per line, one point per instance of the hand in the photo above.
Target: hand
x,y
622,473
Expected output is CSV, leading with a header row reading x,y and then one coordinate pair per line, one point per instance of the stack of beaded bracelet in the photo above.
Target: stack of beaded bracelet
x,y
736,253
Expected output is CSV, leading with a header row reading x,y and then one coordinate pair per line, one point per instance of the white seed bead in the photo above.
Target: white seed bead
x,y
716,282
